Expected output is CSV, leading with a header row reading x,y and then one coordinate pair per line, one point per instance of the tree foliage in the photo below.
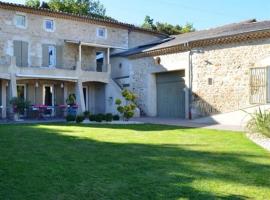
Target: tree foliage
x,y
166,27
81,7
127,110
33,3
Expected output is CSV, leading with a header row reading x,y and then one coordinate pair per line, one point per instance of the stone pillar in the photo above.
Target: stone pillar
x,y
188,86
79,96
65,92
4,99
13,86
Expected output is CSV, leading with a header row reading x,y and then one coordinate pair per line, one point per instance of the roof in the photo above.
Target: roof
x,y
85,18
141,48
235,32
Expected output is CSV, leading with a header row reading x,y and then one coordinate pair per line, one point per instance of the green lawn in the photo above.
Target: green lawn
x,y
129,162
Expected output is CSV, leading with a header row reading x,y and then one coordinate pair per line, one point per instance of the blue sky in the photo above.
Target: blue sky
x,y
202,13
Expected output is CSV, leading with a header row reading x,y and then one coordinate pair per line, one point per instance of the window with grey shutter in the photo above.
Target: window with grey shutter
x,y
59,56
17,52
21,53
24,54
45,55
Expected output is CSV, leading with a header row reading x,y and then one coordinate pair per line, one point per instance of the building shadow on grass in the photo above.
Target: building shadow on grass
x,y
41,163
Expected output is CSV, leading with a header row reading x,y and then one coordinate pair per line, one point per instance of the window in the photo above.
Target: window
x,y
210,81
20,21
49,25
102,32
258,85
100,61
52,55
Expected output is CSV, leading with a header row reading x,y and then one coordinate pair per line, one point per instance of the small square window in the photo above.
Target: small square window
x,y
101,32
49,25
20,21
210,81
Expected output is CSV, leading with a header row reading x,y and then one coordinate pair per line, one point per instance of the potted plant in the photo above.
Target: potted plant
x,y
19,105
72,106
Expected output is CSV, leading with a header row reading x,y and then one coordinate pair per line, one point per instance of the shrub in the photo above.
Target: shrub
x,y
116,118
80,118
99,118
92,118
70,118
260,122
86,114
127,110
109,117
19,105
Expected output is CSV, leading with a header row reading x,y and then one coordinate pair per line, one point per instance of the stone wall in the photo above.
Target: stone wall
x,y
35,35
226,66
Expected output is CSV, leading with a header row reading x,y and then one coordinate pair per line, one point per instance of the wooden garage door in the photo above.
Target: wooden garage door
x,y
171,95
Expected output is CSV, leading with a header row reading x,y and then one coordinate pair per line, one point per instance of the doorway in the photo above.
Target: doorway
x,y
48,95
85,96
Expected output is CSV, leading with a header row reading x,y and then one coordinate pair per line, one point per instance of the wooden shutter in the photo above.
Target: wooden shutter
x,y
17,52
59,56
45,55
24,54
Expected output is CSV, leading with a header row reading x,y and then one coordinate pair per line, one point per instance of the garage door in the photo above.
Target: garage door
x,y
171,95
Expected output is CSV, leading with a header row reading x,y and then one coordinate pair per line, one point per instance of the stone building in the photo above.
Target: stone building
x,y
46,56
205,73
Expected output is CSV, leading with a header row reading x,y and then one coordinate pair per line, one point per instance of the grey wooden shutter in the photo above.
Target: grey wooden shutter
x,y
45,55
24,54
17,52
59,56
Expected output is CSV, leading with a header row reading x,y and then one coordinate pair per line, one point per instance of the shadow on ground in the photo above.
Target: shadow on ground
x,y
40,163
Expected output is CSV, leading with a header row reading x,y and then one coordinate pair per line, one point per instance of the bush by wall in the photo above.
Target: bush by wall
x,y
80,118
70,118
260,123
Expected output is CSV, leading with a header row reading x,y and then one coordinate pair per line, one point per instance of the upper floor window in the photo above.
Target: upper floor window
x,y
52,55
20,20
102,33
49,25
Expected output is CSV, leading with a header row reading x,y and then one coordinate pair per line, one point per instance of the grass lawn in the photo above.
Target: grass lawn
x,y
129,162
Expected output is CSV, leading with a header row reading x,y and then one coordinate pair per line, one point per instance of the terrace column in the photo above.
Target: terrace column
x,y
4,99
80,97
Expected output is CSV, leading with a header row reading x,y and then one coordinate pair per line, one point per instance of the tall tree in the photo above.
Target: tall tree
x,y
33,3
166,28
82,7
149,23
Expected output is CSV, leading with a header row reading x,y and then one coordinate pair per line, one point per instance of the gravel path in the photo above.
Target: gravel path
x,y
260,140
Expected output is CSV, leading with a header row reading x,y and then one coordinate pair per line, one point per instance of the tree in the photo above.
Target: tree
x,y
166,28
81,7
128,110
33,3
149,23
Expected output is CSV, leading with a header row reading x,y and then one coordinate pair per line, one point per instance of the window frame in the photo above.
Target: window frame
x,y
53,24
53,65
17,14
105,32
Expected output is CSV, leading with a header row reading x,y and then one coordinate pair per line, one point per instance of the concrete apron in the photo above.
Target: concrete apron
x,y
190,123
